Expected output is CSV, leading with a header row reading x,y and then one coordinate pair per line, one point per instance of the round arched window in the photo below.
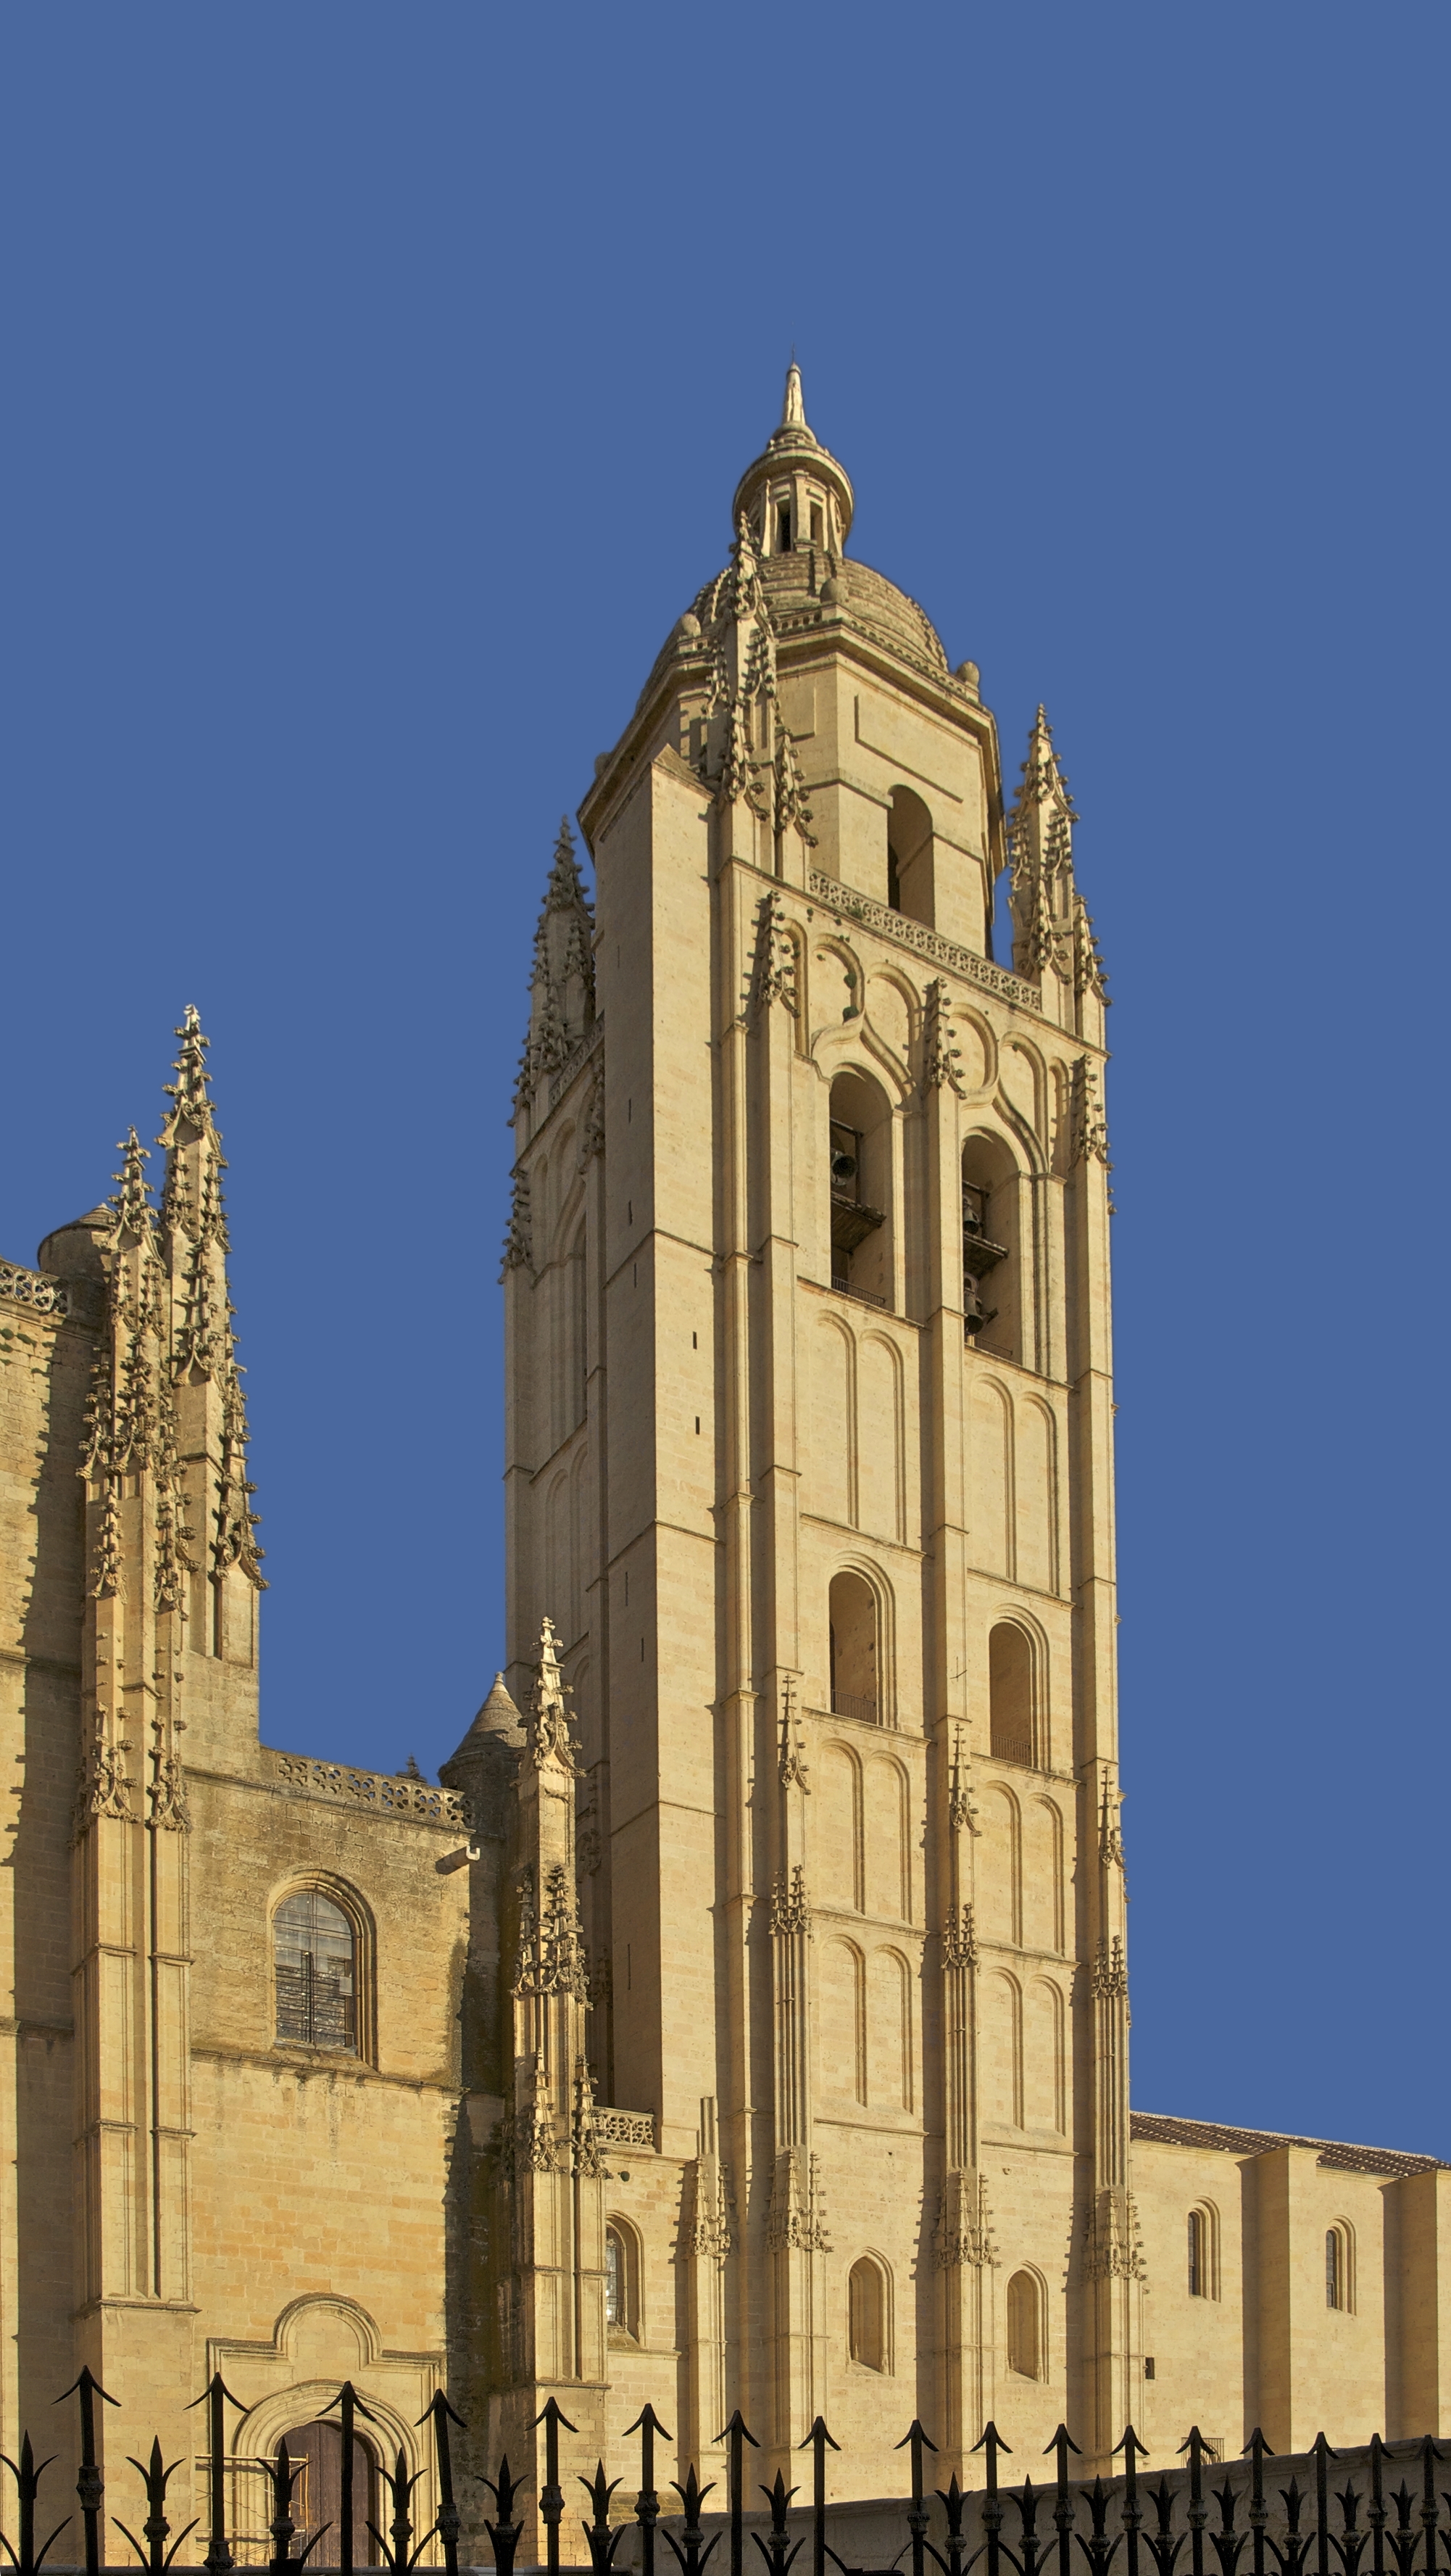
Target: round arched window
x,y
315,1950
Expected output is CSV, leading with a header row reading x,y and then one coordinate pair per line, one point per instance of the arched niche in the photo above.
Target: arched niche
x,y
855,1648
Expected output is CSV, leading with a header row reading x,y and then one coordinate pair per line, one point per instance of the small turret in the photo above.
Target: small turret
x,y
795,494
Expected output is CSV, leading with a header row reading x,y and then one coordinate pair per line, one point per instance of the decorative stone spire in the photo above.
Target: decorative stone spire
x,y
549,1736
749,756
132,1202
562,987
1051,927
203,1346
793,409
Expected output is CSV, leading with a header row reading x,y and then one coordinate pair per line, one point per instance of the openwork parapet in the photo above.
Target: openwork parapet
x,y
32,1288
375,1789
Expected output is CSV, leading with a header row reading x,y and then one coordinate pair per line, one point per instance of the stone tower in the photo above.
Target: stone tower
x,y
810,1462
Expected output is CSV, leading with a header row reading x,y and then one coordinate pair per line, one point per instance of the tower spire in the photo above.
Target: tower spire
x,y
793,409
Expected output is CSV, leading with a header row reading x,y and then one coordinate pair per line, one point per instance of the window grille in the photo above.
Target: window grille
x,y
316,1964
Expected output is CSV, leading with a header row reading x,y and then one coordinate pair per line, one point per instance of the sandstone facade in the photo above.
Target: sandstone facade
x,y
743,2022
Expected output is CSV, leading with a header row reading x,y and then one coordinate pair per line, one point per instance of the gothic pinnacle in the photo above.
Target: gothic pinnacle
x,y
189,1091
132,1202
566,887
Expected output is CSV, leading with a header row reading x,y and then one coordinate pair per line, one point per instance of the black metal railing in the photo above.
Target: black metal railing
x,y
1250,2524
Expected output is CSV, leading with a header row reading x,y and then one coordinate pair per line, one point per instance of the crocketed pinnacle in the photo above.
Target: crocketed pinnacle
x,y
566,886
189,1091
132,1202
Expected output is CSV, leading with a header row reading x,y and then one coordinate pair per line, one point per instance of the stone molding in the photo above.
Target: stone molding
x,y
895,926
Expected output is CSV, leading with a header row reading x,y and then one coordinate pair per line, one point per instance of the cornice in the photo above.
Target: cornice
x,y
820,634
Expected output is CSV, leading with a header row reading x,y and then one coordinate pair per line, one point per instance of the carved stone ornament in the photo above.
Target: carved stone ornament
x,y
961,1806
789,1910
1089,1132
708,2235
1110,1839
104,1788
959,1940
167,1794
1113,2250
748,753
549,1736
1110,1970
773,974
518,1252
585,2138
940,1058
796,2218
964,2226
790,1766
552,1956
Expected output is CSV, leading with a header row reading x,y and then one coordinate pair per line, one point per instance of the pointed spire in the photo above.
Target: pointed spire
x,y
793,410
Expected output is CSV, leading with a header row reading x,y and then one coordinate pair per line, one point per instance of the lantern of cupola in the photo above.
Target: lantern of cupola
x,y
795,494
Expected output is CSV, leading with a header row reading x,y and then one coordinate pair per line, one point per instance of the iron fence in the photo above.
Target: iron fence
x,y
1248,2525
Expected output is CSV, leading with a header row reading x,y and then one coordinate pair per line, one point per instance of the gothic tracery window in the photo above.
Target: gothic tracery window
x,y
315,1954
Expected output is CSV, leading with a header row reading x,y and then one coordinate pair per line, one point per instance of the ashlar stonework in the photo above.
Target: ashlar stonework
x,y
743,2020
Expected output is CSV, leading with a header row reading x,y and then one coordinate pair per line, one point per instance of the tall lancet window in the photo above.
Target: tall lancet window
x,y
316,1964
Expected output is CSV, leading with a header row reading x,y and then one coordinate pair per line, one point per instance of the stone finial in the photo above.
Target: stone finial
x,y
793,410
189,1091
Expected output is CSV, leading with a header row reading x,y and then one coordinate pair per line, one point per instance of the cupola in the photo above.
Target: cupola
x,y
795,495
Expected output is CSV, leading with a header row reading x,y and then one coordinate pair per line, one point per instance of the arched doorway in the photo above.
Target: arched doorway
x,y
317,2498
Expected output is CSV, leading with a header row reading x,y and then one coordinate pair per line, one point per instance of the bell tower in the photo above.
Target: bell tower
x,y
810,1463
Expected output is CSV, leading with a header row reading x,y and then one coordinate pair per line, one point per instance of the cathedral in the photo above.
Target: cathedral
x,y
742,2021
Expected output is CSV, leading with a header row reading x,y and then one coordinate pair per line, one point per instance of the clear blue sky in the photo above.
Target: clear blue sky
x,y
377,380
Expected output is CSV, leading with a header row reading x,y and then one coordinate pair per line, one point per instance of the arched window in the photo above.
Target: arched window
x,y
861,1183
315,1951
1339,2285
855,1676
1011,1731
1203,2255
909,856
1025,2326
867,2314
622,2280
